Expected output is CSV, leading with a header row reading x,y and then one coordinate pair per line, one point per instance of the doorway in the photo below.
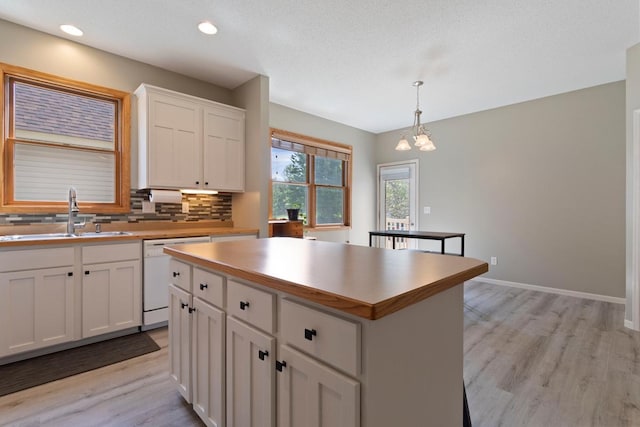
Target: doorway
x,y
398,201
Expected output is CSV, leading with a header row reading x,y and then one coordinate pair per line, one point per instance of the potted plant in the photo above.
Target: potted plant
x,y
293,212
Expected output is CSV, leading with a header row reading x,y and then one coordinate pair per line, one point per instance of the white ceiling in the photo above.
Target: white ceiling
x,y
354,61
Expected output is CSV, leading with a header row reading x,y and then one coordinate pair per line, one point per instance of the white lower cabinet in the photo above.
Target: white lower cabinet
x,y
197,335
312,394
250,376
222,352
180,340
36,309
208,362
111,291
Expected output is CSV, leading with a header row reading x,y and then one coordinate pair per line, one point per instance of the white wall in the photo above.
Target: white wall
x,y
540,185
364,170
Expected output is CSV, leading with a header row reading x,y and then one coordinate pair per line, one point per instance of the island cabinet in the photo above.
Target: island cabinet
x,y
188,142
318,333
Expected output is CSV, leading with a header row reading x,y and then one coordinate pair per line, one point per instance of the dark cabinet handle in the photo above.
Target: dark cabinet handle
x,y
203,286
206,183
309,334
280,365
183,305
191,309
197,182
243,305
86,272
262,354
70,273
176,273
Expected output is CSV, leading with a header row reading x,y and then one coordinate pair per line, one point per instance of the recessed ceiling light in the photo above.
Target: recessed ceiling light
x,y
71,29
207,27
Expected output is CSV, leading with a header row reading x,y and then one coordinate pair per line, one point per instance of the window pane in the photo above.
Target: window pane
x,y
45,173
328,171
329,205
286,196
44,114
288,166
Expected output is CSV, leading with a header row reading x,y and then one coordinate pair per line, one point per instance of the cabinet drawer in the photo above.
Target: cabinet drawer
x,y
110,253
251,305
32,259
331,339
208,287
180,274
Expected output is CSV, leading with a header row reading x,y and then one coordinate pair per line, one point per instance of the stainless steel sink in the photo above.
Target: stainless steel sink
x,y
47,236
50,236
104,234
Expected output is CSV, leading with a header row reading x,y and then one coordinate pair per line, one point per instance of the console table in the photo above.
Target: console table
x,y
413,234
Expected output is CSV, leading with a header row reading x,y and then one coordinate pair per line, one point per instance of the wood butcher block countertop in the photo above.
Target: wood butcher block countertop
x,y
367,282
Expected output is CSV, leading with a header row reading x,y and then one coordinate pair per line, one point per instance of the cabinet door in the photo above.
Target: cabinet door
x,y
111,297
223,149
250,376
174,146
180,340
36,309
208,351
311,394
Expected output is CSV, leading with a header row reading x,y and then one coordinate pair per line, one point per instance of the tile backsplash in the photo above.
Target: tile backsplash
x,y
216,207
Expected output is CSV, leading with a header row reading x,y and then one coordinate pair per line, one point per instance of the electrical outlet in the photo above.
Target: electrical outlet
x,y
494,260
427,210
185,207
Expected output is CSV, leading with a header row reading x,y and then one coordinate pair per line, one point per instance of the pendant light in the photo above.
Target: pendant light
x,y
420,134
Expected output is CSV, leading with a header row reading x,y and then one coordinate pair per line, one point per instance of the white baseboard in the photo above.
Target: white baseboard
x,y
576,294
628,324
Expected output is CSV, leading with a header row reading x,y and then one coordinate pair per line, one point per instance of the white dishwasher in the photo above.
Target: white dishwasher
x,y
155,289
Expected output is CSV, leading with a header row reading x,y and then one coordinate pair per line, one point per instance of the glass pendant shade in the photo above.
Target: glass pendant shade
x,y
428,146
403,145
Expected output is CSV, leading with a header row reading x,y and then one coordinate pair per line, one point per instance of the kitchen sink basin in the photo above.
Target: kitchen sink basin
x,y
47,236
104,234
50,236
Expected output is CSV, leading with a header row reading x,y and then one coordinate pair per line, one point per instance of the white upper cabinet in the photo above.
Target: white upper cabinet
x,y
188,142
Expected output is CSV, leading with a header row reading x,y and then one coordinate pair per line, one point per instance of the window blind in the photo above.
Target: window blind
x,y
309,146
45,173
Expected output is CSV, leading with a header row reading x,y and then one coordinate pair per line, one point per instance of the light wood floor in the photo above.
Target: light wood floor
x,y
531,359
539,359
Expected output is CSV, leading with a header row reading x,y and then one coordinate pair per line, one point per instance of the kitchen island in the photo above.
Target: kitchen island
x,y
315,333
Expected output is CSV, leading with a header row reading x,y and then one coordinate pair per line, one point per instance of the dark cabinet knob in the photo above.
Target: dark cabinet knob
x,y
262,354
203,286
86,272
198,182
183,305
309,334
244,305
280,365
206,183
191,309
70,273
176,273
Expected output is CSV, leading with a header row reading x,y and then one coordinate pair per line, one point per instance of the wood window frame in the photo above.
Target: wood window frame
x,y
121,151
347,172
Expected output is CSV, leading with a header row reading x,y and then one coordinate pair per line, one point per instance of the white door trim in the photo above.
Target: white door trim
x,y
634,299
416,164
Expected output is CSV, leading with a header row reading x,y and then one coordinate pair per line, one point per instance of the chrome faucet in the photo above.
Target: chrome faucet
x,y
73,212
